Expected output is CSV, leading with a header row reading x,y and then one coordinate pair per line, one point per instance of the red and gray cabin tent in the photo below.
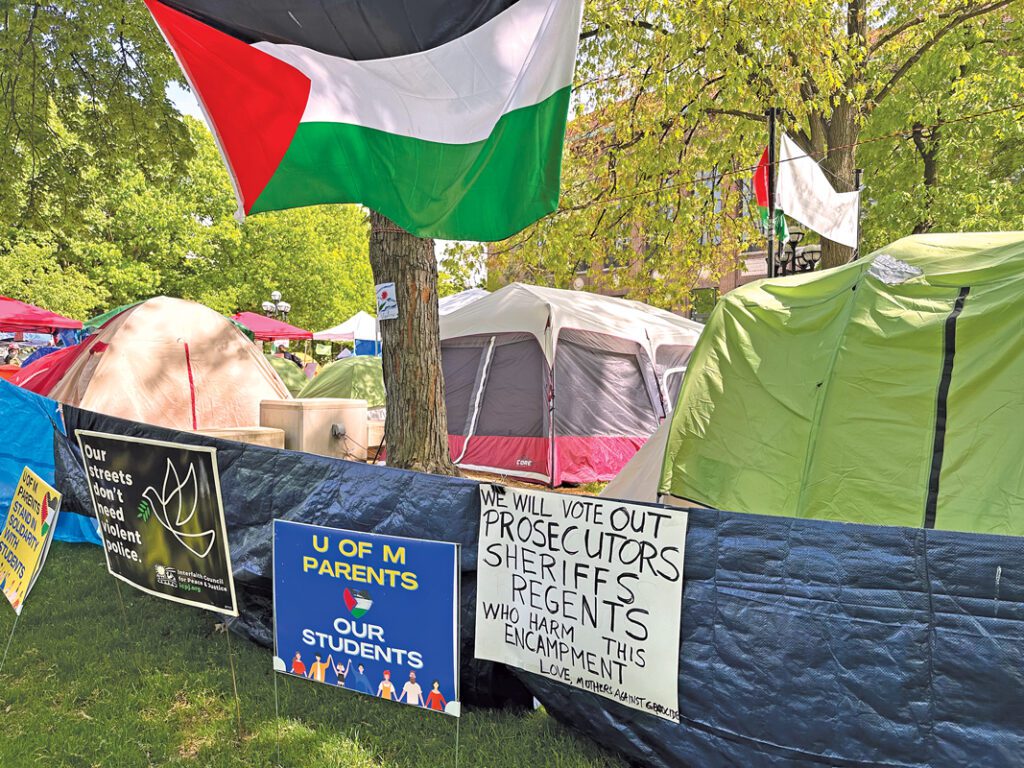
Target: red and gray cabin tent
x,y
559,386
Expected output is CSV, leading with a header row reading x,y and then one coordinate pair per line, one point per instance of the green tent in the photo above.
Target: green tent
x,y
358,377
888,391
93,324
290,374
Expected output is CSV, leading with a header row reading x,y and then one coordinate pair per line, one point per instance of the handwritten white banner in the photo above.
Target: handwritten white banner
x,y
585,591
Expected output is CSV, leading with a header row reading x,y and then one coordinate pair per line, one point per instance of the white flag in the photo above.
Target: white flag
x,y
803,193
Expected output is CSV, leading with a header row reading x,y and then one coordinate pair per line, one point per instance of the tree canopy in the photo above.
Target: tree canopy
x,y
670,101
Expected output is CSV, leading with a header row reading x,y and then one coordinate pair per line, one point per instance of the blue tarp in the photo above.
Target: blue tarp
x,y
28,423
367,347
803,642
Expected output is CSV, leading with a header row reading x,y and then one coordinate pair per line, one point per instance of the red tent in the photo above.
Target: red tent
x,y
18,316
42,375
269,329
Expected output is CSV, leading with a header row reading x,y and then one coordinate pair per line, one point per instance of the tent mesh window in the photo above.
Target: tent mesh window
x,y
604,386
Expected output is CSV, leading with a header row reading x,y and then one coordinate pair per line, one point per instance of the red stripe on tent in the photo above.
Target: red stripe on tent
x,y
254,100
509,455
191,387
577,459
593,459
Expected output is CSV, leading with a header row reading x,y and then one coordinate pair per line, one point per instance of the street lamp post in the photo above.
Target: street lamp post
x,y
276,308
792,259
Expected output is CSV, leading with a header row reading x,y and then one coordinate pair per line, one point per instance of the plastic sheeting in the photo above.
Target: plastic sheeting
x,y
29,423
259,484
802,642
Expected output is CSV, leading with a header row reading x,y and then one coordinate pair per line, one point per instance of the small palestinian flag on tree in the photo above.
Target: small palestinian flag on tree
x,y
447,116
761,193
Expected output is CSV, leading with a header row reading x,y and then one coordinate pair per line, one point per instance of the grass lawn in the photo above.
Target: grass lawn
x,y
84,685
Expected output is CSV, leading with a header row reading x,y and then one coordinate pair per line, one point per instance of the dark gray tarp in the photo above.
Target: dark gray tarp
x,y
259,484
803,642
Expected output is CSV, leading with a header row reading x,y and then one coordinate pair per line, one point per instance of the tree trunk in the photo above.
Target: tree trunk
x,y
838,134
928,149
416,432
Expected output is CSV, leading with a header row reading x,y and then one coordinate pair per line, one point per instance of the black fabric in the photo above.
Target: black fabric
x,y
941,405
259,484
351,29
803,643
515,400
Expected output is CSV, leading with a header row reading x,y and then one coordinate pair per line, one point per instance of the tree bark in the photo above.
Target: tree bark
x,y
416,431
928,149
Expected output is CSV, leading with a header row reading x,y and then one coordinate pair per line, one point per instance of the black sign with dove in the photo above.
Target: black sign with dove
x,y
161,517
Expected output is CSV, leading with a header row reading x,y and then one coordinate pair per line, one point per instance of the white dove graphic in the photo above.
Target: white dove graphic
x,y
171,500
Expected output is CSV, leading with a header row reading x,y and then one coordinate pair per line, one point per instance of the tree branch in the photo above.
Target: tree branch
x,y
875,99
639,23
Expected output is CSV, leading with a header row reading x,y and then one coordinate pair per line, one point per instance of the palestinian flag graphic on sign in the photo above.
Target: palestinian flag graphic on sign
x,y
358,602
447,116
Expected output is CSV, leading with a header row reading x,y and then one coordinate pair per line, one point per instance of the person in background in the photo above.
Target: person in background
x,y
282,350
12,355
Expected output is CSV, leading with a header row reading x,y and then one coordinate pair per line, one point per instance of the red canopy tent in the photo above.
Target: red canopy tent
x,y
18,316
269,329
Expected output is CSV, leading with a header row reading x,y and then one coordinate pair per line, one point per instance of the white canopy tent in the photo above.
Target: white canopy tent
x,y
361,325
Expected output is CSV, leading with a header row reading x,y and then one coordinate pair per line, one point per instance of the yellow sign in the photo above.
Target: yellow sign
x,y
26,536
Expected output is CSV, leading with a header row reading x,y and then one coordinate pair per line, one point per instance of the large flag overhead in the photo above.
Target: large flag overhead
x,y
447,116
803,192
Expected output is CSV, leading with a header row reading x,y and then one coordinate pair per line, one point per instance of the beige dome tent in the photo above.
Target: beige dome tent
x,y
173,363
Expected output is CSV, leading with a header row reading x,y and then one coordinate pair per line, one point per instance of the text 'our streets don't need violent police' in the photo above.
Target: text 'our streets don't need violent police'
x,y
584,591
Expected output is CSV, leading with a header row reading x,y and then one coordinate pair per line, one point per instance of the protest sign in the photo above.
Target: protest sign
x,y
369,613
585,591
161,518
26,536
387,302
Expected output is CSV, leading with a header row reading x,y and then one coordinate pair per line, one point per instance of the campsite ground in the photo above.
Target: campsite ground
x,y
85,684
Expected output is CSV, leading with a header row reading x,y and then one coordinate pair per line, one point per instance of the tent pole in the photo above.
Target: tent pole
x,y
771,191
858,176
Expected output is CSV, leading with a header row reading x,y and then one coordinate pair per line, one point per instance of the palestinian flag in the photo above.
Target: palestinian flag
x,y
44,513
761,193
447,116
358,602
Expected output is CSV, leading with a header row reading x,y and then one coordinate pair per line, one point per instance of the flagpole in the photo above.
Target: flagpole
x,y
771,191
858,175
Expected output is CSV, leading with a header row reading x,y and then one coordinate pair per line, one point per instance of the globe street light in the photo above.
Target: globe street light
x,y
276,308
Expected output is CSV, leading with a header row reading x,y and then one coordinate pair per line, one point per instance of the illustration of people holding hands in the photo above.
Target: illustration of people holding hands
x,y
360,682
386,689
342,673
318,669
435,699
411,692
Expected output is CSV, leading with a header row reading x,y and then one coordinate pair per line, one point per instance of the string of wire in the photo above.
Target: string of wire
x,y
902,134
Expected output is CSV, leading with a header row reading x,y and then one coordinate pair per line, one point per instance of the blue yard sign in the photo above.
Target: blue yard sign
x,y
369,613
